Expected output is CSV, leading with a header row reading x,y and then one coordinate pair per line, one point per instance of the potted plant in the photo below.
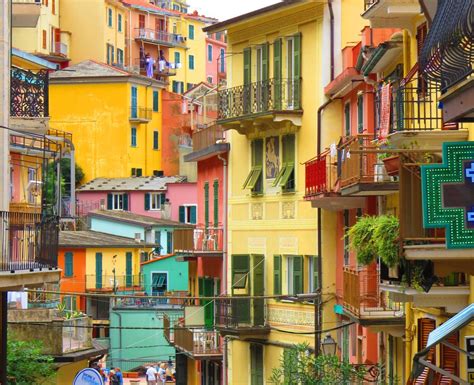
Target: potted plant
x,y
391,161
386,233
361,239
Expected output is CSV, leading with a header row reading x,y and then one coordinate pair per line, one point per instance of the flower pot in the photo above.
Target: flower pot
x,y
380,174
452,279
392,165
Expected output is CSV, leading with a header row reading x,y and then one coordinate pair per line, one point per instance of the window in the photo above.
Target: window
x,y
178,87
133,137
222,62
187,214
240,271
218,35
277,274
286,176
159,283
312,273
136,172
347,119
110,54
210,80
256,364
295,274
117,201
209,52
254,180
294,70
157,236
153,201
134,102
191,32
109,17
177,58
191,62
45,38
31,178
169,242
189,86
119,56
156,145
346,237
360,113
175,7
156,100
216,203
68,265
119,22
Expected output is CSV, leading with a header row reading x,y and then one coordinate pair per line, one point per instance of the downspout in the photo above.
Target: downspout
x,y
331,37
130,39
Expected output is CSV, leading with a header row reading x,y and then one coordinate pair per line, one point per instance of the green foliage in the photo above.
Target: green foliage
x,y
66,172
299,366
361,237
386,234
27,365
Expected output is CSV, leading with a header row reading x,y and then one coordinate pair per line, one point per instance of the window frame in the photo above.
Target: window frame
x,y
210,53
118,200
119,22
165,283
109,17
191,62
133,137
187,213
155,200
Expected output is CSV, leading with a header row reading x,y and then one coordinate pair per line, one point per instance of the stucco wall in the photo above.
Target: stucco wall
x,y
181,194
177,273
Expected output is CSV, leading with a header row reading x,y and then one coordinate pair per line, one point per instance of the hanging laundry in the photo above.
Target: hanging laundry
x,y
161,65
333,149
348,155
149,62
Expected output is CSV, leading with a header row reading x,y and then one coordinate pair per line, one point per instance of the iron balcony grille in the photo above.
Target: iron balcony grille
x,y
235,313
159,37
29,94
28,241
260,97
448,53
207,137
321,174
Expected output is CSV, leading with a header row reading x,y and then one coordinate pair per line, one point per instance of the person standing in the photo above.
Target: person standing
x,y
151,375
113,378
119,375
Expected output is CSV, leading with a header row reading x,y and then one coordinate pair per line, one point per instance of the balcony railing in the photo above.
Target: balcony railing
x,y
363,296
207,137
356,165
28,241
140,114
140,66
197,342
236,313
160,37
106,281
201,239
29,94
321,174
272,95
60,48
171,298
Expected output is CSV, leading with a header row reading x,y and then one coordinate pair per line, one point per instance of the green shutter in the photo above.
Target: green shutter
x,y
147,201
297,275
315,273
155,140
347,118
125,202
98,270
109,201
257,152
128,269
201,289
68,265
277,274
360,114
209,304
216,203
182,214
297,79
241,267
287,179
169,242
258,289
265,69
175,86
162,198
256,364
193,215
206,204
155,101
277,69
247,66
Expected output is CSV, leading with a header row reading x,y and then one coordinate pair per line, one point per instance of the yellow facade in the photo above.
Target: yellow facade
x,y
94,28
67,372
109,262
98,115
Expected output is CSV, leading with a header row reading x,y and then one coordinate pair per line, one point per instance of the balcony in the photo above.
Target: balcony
x,y
199,242
322,184
274,100
140,114
60,336
61,49
169,300
243,318
391,13
197,343
161,38
361,173
208,142
106,282
139,66
364,300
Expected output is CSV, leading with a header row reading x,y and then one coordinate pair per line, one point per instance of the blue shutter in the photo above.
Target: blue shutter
x,y
155,140
134,103
222,63
209,52
147,201
182,214
162,199
128,269
193,218
68,266
155,101
169,242
191,62
109,201
125,202
191,32
98,270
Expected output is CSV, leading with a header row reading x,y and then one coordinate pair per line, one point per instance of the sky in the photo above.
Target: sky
x,y
226,9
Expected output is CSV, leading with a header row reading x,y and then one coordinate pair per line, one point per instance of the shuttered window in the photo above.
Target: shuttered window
x,y
44,35
295,274
254,179
256,364
347,119
156,145
128,269
156,102
169,242
277,69
109,18
191,32
277,274
177,58
216,203
312,273
191,62
98,270
206,204
425,327
209,53
68,264
240,271
360,114
247,66
133,137
449,357
286,176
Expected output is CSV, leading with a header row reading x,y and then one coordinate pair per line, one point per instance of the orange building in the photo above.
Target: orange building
x,y
73,279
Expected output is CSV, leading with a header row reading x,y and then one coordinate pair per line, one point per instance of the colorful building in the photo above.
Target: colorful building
x,y
115,117
216,46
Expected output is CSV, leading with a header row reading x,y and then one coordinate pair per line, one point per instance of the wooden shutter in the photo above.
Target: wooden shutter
x,y
53,7
216,203
297,275
169,242
257,152
182,214
256,364
193,215
44,39
277,70
141,21
450,357
147,201
125,202
297,69
287,179
128,269
360,114
247,66
109,201
425,327
98,270
347,119
206,204
155,101
68,265
258,288
265,69
277,274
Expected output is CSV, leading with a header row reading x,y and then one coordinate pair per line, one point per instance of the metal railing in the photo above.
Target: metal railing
x,y
160,37
28,241
173,298
234,313
140,113
29,93
60,48
196,341
168,330
139,65
207,137
260,97
76,334
106,281
201,238
321,174
362,294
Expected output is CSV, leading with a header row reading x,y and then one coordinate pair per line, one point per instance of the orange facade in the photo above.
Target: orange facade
x,y
75,283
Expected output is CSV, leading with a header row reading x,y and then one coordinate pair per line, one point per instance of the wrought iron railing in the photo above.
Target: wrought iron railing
x,y
447,56
106,281
234,313
197,341
321,174
260,97
160,37
28,241
29,93
140,113
207,137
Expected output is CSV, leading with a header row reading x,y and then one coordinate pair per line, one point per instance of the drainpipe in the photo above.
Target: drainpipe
x,y
331,37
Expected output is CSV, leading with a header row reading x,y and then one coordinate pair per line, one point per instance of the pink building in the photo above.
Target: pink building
x,y
216,48
160,197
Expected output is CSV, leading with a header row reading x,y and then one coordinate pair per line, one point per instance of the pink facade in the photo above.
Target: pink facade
x,y
216,68
181,194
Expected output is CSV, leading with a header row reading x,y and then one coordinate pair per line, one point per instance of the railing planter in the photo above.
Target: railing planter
x,y
392,165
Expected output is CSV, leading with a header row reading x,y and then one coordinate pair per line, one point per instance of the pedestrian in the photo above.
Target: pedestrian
x,y
113,378
162,373
151,375
119,375
102,374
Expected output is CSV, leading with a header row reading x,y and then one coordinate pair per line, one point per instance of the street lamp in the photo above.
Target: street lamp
x,y
329,346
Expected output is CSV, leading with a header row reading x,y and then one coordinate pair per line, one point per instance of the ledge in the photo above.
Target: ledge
x,y
208,152
22,278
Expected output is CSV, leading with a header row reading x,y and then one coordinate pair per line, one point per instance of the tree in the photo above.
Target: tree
x,y
27,365
66,172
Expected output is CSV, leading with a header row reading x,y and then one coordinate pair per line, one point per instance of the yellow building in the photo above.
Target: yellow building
x,y
270,112
115,118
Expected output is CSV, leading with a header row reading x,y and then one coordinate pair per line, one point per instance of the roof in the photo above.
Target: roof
x,y
160,258
32,59
226,23
145,183
89,68
147,6
143,220
89,238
